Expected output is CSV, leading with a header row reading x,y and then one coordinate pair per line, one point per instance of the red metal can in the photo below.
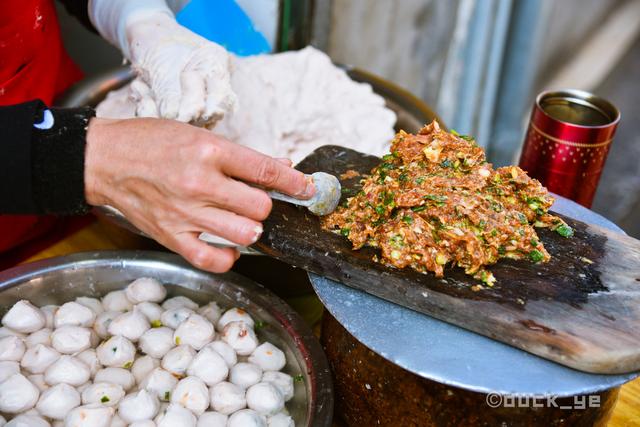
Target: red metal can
x,y
567,142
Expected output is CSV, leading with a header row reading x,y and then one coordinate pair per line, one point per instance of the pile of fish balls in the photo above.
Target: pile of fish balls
x,y
135,358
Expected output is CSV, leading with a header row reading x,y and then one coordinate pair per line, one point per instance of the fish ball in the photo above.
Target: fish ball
x,y
118,376
268,357
282,381
265,398
234,315
117,351
209,366
71,339
211,312
17,394
93,304
37,359
175,316
196,331
57,401
67,369
8,368
101,326
152,311
227,398
24,317
160,382
43,336
280,420
179,302
176,416
93,415
178,359
246,418
143,366
130,325
116,301
49,312
192,393
12,348
145,289
74,314
28,421
107,394
240,337
223,349
138,406
245,374
156,342
212,419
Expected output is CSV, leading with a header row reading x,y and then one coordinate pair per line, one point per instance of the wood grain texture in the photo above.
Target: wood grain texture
x,y
581,309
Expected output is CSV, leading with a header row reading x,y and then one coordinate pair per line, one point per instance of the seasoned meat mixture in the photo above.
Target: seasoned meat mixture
x,y
435,201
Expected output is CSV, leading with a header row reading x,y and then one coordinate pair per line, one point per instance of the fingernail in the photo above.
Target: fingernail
x,y
285,161
258,232
310,189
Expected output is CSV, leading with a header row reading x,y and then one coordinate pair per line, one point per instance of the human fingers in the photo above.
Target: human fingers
x,y
240,198
143,99
192,103
203,255
220,98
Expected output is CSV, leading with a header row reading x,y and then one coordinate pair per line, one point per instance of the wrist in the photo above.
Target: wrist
x,y
94,159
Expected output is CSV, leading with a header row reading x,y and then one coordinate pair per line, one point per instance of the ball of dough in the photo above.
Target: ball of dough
x,y
145,289
117,351
178,359
49,312
172,318
156,342
118,376
240,336
227,398
107,394
93,304
139,406
234,315
24,317
116,301
211,312
67,369
265,398
176,416
282,381
160,382
71,339
28,421
38,381
143,366
74,314
209,366
101,325
223,349
192,393
246,418
196,331
17,394
37,359
179,302
93,415
268,357
245,374
212,419
12,348
43,336
8,368
130,325
57,401
152,311
280,420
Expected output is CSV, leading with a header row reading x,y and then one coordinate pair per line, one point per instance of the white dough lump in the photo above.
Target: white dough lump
x,y
57,401
17,394
145,289
24,317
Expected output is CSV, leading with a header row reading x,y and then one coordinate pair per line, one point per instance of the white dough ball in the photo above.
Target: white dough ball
x,y
49,312
282,381
17,394
43,336
152,311
175,316
145,423
211,312
268,357
196,331
8,332
117,351
212,419
71,339
130,325
145,289
245,374
139,406
57,401
90,358
179,302
160,382
67,369
28,421
234,315
24,317
101,325
8,368
240,337
209,366
116,421
93,415
176,416
280,420
116,301
227,398
74,314
246,418
37,359
93,304
223,349
143,366
156,342
192,393
12,348
265,398
107,394
178,359
38,381
118,376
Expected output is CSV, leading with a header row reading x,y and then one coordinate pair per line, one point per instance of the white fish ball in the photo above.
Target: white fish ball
x,y
192,393
265,398
8,332
28,421
12,348
211,312
116,421
268,357
234,315
223,349
67,369
156,342
152,311
57,401
240,337
130,325
160,382
24,317
227,398
118,376
38,381
43,336
8,368
37,359
107,394
17,394
90,358
71,339
209,366
49,312
101,326
178,359
143,366
280,420
93,304
245,374
196,331
145,289
175,316
116,301
212,419
179,302
176,416
93,415
284,383
139,406
246,418
117,351
145,423
74,314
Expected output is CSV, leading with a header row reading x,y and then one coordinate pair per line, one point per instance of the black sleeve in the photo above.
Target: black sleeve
x,y
42,159
79,9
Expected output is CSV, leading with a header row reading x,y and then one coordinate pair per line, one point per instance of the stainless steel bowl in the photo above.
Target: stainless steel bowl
x,y
57,280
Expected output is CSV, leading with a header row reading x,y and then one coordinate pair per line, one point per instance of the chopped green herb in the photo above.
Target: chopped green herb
x,y
260,324
388,157
501,250
418,208
420,180
156,323
407,219
298,378
564,230
167,395
127,365
380,210
534,242
536,255
345,231
446,163
494,232
403,177
522,218
436,198
104,399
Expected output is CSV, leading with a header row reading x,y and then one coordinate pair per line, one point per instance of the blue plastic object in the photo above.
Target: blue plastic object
x,y
224,22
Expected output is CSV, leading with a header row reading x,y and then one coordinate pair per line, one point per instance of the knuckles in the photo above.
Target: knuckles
x,y
267,173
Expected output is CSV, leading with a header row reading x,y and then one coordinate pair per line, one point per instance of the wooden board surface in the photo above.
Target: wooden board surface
x,y
581,309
